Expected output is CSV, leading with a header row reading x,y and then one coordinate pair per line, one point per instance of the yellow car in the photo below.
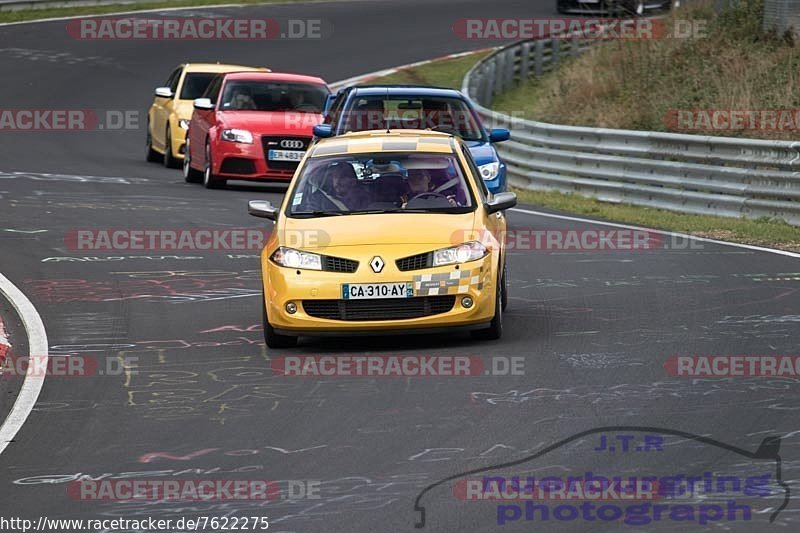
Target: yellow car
x,y
384,231
171,110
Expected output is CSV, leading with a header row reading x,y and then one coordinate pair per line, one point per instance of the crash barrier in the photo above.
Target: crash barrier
x,y
700,174
18,5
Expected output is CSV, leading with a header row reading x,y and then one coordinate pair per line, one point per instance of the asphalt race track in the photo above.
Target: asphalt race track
x,y
593,329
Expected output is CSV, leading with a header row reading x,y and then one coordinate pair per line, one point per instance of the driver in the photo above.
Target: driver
x,y
346,193
241,99
419,182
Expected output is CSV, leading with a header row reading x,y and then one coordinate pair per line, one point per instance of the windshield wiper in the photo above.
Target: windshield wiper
x,y
315,214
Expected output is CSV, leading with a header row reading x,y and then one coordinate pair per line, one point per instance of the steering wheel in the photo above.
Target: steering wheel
x,y
429,194
443,128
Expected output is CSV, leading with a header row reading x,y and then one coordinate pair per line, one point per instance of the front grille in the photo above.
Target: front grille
x,y
415,262
237,165
338,264
274,143
380,309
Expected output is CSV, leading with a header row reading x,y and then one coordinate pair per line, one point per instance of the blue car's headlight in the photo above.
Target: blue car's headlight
x,y
489,171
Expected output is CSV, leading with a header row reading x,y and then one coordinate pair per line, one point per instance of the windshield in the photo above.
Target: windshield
x,y
194,85
449,115
381,182
256,95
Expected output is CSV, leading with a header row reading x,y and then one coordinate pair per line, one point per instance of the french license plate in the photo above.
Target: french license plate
x,y
369,291
285,155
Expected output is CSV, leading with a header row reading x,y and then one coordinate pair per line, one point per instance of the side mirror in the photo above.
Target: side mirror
x,y
500,202
204,104
264,209
499,135
164,92
323,130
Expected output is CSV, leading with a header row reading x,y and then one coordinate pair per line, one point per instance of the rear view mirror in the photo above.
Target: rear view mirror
x,y
204,104
164,92
500,202
499,135
262,209
323,130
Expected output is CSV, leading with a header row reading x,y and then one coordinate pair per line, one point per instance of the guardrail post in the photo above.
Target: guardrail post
x,y
511,60
497,73
537,62
575,43
524,62
555,45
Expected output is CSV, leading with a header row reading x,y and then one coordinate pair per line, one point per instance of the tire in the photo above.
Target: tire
x,y
151,156
189,174
169,159
272,339
209,180
495,329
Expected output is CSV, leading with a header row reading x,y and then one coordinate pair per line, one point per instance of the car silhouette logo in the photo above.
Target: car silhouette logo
x,y
376,264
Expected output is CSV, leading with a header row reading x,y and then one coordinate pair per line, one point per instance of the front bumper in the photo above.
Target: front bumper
x,y
249,162
317,289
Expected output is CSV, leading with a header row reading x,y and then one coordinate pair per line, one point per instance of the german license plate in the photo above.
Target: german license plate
x,y
370,291
286,155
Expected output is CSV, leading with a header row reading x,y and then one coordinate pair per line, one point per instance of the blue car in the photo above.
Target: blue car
x,y
387,107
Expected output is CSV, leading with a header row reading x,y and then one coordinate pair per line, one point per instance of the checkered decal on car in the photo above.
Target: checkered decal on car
x,y
456,282
403,143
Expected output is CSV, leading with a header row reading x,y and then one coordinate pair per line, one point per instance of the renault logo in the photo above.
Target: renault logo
x,y
376,264
289,143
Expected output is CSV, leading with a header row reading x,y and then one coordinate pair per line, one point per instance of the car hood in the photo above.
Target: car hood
x,y
271,122
482,152
377,229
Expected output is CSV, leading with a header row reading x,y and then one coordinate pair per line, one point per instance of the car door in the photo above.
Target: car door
x,y
161,109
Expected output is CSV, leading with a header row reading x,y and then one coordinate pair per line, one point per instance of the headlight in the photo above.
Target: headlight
x,y
184,124
489,171
463,253
237,136
291,258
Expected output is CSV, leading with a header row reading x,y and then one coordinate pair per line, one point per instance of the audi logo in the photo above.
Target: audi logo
x,y
292,144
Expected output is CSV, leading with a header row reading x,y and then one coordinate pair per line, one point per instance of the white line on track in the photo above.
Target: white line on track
x,y
660,232
37,345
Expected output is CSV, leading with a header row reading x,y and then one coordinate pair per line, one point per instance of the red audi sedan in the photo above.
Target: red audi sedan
x,y
252,126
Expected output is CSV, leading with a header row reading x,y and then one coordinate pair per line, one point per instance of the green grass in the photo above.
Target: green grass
x,y
35,14
444,73
638,84
760,232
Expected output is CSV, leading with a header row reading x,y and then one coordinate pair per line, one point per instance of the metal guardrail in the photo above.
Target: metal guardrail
x,y
699,174
19,5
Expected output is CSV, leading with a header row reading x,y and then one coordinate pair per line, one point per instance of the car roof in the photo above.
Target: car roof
x,y
274,76
217,68
385,141
405,90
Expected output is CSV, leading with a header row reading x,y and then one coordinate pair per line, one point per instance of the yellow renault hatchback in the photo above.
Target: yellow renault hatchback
x,y
171,110
384,231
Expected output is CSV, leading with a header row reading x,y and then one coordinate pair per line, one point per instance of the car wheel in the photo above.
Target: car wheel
x,y
169,160
209,180
495,329
150,154
272,339
189,174
504,288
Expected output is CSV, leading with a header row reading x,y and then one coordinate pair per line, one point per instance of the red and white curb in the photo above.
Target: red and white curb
x,y
5,346
37,344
